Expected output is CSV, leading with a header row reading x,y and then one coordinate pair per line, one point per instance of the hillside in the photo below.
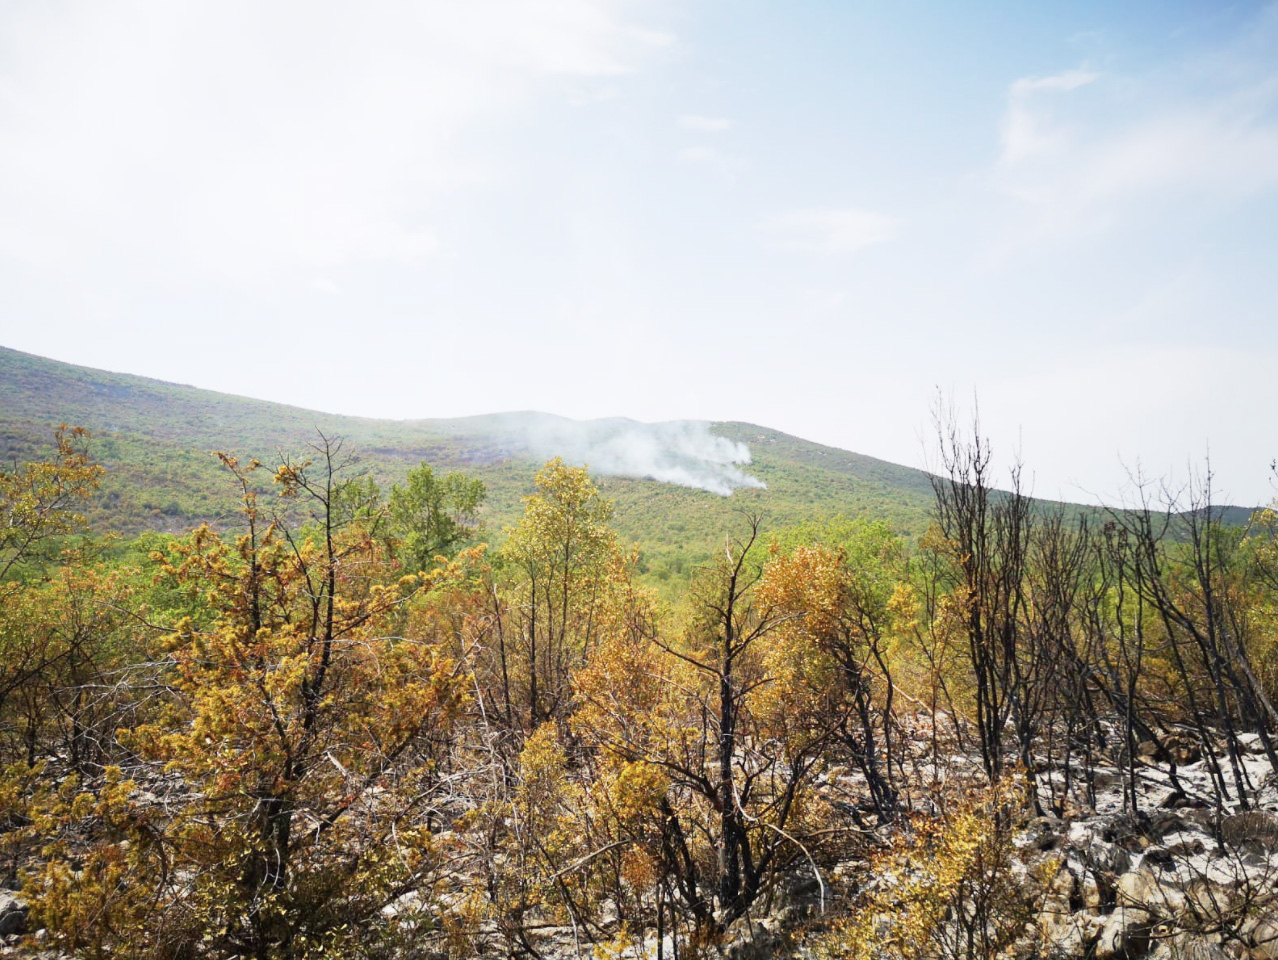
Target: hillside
x,y
156,440
1085,774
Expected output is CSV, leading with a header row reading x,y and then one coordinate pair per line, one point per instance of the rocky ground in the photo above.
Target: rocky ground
x,y
1179,879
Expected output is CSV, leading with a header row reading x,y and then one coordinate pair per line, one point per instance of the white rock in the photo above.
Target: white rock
x,y
13,913
1124,932
1262,935
1069,935
1090,891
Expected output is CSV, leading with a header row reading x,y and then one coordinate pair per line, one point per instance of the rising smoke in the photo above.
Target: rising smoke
x,y
682,452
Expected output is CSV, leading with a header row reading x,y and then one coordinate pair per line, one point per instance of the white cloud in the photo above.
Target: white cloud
x,y
833,231
699,154
1026,129
724,167
1138,142
236,140
705,124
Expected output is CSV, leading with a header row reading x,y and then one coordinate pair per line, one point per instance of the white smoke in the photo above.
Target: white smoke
x,y
682,452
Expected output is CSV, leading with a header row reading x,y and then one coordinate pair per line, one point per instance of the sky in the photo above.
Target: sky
x,y
815,216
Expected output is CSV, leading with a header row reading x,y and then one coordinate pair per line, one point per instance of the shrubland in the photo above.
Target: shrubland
x,y
348,729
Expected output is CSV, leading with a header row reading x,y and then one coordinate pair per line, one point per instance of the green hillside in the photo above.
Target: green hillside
x,y
156,440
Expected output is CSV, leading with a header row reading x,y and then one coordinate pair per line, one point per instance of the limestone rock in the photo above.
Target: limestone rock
x,y
1262,938
1063,885
1184,749
1253,830
1090,892
753,941
1105,860
1136,888
13,914
1068,935
1125,934
1044,833
1189,947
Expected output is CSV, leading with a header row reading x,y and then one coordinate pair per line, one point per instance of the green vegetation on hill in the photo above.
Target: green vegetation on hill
x,y
346,732
157,439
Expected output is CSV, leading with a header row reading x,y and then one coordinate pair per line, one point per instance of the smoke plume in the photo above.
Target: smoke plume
x,y
682,452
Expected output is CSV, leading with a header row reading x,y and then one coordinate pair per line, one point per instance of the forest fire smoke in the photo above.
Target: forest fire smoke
x,y
682,452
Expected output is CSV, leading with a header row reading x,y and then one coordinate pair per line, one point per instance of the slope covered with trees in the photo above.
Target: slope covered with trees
x,y
155,441
342,728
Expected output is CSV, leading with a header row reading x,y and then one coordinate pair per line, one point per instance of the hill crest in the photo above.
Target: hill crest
x,y
678,486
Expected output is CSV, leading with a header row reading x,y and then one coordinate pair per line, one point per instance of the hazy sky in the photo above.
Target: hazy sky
x,y
806,215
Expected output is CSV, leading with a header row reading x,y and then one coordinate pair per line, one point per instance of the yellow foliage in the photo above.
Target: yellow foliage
x,y
289,708
621,946
945,882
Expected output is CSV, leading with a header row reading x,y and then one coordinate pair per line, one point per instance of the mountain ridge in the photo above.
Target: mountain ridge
x,y
156,440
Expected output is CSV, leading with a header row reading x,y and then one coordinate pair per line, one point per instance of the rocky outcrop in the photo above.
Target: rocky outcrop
x,y
13,914
1254,831
1168,885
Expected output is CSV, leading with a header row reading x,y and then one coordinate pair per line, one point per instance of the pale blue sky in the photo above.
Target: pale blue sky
x,y
806,215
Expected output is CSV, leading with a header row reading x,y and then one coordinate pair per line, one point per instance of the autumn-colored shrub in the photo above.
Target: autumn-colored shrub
x,y
276,805
948,887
